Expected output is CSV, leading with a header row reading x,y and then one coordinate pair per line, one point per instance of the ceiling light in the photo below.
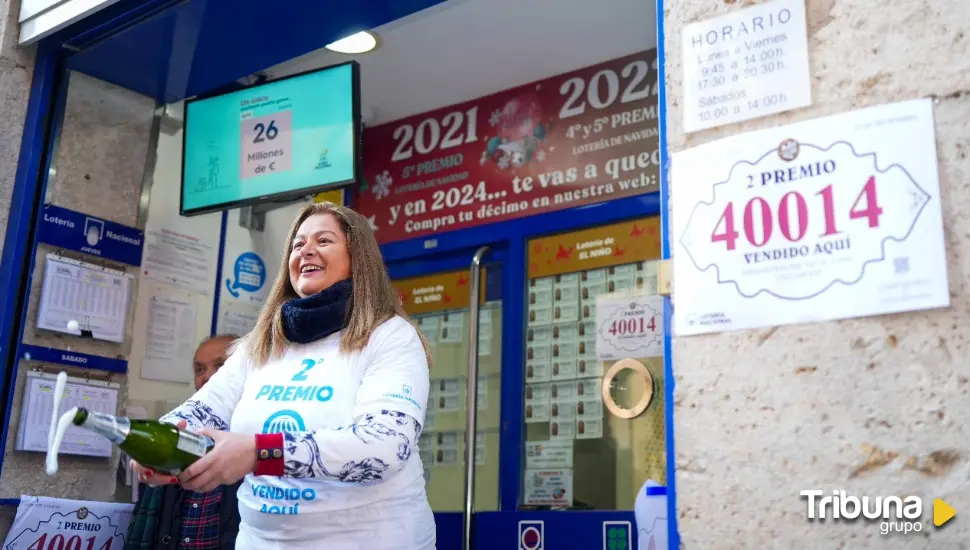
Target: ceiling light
x,y
356,43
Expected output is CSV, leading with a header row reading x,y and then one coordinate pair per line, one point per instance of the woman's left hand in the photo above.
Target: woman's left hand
x,y
233,456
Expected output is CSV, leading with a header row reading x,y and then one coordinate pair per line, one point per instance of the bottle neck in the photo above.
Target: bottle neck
x,y
114,428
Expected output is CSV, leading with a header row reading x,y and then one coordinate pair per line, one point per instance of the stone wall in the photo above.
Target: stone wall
x,y
875,406
16,71
98,169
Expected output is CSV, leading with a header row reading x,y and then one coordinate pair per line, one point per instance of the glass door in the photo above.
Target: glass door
x,y
437,294
591,374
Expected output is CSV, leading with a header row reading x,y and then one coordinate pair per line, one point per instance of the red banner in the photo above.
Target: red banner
x,y
583,137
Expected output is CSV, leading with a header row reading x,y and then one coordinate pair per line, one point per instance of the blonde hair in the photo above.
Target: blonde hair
x,y
373,302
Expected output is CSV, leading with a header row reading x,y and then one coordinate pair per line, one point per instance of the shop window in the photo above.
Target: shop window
x,y
579,454
439,306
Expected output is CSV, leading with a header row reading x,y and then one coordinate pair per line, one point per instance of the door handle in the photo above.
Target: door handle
x,y
472,396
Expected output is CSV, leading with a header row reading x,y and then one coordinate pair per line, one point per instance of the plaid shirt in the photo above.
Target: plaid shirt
x,y
144,522
200,520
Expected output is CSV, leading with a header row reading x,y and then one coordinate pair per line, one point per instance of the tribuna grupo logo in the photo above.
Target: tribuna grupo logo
x,y
895,514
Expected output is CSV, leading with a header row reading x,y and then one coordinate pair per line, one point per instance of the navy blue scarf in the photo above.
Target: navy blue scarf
x,y
315,317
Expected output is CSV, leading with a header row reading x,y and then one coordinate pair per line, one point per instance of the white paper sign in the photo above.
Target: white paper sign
x,y
746,64
170,337
94,296
38,404
831,218
630,327
549,488
238,317
548,454
44,522
181,259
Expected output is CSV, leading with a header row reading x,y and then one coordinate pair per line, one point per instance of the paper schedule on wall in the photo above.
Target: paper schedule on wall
x,y
170,336
238,318
35,414
94,296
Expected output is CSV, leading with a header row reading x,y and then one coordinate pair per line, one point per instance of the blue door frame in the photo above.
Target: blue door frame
x,y
407,258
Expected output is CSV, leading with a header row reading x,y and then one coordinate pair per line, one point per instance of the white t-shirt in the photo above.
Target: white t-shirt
x,y
351,424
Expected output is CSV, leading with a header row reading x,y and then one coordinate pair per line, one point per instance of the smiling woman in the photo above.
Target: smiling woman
x,y
319,409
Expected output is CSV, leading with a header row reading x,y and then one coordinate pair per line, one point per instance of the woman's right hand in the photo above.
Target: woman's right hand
x,y
151,477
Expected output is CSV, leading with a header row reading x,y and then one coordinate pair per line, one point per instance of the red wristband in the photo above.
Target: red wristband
x,y
269,455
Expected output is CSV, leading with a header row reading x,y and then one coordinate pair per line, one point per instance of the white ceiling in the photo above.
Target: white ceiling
x,y
464,49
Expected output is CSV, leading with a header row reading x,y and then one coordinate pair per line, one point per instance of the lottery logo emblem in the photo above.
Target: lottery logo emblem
x,y
284,421
788,150
82,513
531,535
93,231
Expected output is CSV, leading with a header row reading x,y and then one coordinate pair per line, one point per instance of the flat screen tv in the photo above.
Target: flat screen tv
x,y
272,142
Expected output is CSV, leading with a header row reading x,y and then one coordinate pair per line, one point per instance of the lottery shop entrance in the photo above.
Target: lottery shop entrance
x,y
511,172
557,459
551,183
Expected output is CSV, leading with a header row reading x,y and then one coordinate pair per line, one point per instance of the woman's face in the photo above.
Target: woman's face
x,y
318,255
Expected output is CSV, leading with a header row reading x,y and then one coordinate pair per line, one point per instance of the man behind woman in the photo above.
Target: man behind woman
x,y
169,517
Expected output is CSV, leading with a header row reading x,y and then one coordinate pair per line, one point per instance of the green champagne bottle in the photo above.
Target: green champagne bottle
x,y
153,444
